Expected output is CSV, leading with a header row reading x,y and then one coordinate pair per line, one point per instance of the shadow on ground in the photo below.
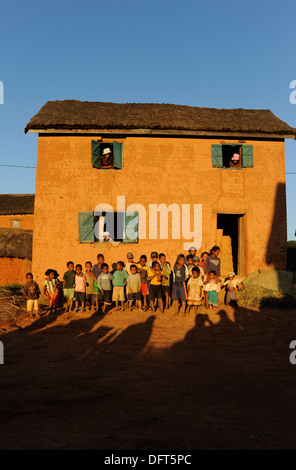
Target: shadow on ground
x,y
150,381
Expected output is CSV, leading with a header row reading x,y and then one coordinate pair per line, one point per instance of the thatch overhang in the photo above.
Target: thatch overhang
x,y
17,204
151,118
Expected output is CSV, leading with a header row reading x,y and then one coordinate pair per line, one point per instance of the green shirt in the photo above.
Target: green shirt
x,y
119,278
69,278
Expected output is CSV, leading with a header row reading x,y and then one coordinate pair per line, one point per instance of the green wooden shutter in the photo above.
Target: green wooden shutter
x,y
95,153
217,159
131,227
247,156
117,152
86,227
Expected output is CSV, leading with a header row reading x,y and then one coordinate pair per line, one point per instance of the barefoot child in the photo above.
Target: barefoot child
x,y
51,289
212,286
105,286
97,270
166,280
68,286
80,287
89,289
133,287
143,271
180,276
32,293
155,277
194,287
119,281
231,286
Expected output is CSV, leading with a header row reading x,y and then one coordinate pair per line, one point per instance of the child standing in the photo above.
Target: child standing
x,y
133,287
213,262
89,288
155,277
68,286
212,287
80,285
194,287
231,285
105,286
51,289
32,293
143,271
166,280
180,275
96,270
119,281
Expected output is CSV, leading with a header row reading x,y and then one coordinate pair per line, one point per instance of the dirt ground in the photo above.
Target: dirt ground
x,y
149,381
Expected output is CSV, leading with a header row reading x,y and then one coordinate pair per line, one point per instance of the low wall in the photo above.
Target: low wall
x,y
14,270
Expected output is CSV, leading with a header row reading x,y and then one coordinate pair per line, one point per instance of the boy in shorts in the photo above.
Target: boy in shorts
x,y
119,281
166,281
68,286
155,277
133,287
89,289
32,293
80,285
105,286
143,271
96,270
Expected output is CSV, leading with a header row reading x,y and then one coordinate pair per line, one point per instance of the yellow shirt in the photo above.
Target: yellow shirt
x,y
154,281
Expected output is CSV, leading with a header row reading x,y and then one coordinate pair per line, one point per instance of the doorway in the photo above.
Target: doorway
x,y
232,226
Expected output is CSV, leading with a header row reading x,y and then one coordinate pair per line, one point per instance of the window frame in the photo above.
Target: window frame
x,y
246,152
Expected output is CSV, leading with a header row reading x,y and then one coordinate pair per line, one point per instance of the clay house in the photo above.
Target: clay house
x,y
119,178
16,237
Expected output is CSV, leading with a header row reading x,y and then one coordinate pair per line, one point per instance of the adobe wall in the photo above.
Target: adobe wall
x,y
27,221
14,270
155,171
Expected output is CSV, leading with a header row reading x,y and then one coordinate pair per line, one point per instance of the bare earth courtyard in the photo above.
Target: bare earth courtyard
x,y
149,381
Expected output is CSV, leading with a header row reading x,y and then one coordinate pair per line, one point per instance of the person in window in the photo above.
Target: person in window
x,y
107,159
106,237
235,161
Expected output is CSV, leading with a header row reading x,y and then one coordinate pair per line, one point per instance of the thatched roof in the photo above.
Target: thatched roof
x,y
16,243
16,204
84,115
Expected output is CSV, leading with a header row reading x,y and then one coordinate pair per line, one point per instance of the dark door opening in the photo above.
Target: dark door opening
x,y
232,226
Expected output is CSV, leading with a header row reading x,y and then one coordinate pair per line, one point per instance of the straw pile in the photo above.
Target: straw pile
x,y
269,288
16,243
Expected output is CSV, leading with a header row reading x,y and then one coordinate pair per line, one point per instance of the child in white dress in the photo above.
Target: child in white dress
x,y
194,289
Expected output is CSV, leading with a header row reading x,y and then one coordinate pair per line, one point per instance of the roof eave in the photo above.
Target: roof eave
x,y
159,132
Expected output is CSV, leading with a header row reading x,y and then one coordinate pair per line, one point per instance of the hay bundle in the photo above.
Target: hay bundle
x,y
16,243
268,288
12,302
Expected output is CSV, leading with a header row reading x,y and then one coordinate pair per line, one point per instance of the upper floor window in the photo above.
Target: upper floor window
x,y
106,156
232,156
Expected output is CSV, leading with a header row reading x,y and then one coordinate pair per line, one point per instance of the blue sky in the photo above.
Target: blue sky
x,y
230,54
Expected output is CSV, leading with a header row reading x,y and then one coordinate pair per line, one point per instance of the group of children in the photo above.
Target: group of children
x,y
191,282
